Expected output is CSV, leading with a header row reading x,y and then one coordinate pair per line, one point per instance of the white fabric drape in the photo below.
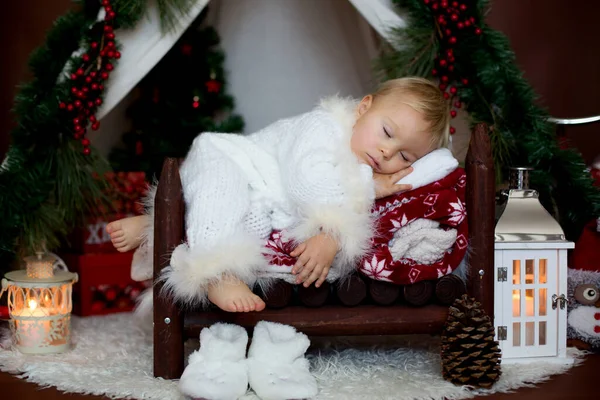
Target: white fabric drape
x,y
281,55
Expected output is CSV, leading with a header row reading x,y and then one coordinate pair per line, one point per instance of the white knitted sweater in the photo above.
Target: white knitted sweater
x,y
302,176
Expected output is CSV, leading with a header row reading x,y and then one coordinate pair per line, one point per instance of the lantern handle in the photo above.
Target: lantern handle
x,y
59,263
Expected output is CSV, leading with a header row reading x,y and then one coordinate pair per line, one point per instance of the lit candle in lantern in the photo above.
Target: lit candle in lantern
x,y
39,303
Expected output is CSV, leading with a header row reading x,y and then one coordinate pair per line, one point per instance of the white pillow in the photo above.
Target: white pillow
x,y
430,168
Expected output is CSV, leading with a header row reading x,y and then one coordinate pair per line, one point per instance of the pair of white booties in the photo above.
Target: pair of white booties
x,y
276,368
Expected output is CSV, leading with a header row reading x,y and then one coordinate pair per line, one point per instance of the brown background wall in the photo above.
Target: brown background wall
x,y
556,43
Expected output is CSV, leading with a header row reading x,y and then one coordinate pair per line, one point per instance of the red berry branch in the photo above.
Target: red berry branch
x,y
88,80
451,18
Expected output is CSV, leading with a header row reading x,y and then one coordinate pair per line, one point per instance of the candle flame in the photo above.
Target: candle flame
x,y
32,304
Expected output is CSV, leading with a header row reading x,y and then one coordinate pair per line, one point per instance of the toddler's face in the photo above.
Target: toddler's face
x,y
389,135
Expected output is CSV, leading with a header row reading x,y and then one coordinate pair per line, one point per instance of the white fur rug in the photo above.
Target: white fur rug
x,y
113,357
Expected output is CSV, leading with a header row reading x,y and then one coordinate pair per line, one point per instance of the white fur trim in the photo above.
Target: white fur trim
x,y
583,321
218,370
422,240
193,270
277,368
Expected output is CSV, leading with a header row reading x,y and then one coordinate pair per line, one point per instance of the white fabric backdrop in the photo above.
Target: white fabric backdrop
x,y
281,56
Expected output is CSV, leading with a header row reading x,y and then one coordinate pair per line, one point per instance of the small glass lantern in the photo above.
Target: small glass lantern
x,y
39,304
530,257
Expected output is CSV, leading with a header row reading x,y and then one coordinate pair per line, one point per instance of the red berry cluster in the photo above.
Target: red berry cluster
x,y
116,297
451,18
87,80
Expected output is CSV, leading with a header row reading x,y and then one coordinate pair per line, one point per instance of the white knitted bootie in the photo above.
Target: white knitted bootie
x,y
277,368
218,370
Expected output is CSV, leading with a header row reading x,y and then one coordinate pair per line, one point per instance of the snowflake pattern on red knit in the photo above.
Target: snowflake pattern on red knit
x,y
442,201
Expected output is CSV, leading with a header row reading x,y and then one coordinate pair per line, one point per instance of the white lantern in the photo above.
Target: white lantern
x,y
530,257
39,305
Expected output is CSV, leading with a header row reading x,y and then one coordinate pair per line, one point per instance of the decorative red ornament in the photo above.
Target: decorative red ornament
x,y
453,90
448,32
472,19
450,52
70,107
446,95
455,4
85,57
104,75
88,79
108,28
465,81
186,49
74,90
453,113
73,77
96,125
213,86
98,101
100,87
90,104
139,148
450,68
78,128
86,151
460,25
467,23
444,4
454,17
109,67
434,72
105,3
110,36
77,103
457,104
108,8
478,31
452,40
196,104
110,44
434,6
443,86
426,1
463,7
94,86
76,121
80,94
85,142
93,74
93,45
444,79
85,89
80,71
117,55
452,130
443,63
62,105
111,14
110,54
92,118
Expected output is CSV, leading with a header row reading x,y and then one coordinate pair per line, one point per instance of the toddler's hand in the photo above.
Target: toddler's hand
x,y
314,259
385,184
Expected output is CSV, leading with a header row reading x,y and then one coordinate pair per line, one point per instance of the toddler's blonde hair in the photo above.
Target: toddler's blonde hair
x,y
424,97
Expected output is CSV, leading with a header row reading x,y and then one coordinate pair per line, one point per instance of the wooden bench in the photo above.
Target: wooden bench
x,y
173,325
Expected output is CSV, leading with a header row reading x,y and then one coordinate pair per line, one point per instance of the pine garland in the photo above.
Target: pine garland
x,y
46,179
450,41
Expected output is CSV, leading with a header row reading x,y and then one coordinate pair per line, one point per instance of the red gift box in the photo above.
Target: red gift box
x,y
105,285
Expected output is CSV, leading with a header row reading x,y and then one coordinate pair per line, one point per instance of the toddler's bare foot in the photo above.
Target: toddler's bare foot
x,y
126,234
233,295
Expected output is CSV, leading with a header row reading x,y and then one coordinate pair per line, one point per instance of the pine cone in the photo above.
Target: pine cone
x,y
470,355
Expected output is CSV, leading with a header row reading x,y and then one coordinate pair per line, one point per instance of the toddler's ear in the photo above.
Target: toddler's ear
x,y
365,104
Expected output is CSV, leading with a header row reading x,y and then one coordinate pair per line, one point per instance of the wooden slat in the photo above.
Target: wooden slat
x,y
333,320
168,233
480,198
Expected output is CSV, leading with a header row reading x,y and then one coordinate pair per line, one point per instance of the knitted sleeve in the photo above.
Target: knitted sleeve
x,y
329,189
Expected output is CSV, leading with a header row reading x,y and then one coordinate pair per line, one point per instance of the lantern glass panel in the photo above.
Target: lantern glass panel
x,y
516,334
543,296
542,333
529,302
529,271
516,272
529,333
516,303
543,277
